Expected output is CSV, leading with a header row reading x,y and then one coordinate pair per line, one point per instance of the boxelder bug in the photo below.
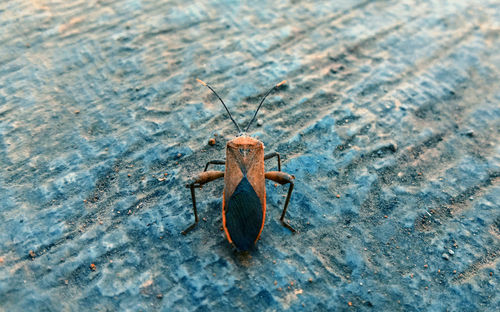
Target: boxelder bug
x,y
244,197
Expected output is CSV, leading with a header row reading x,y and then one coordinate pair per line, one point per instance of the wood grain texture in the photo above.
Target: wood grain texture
x,y
389,120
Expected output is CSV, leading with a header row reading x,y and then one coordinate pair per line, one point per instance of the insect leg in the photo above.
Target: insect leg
x,y
283,178
215,162
274,154
197,182
193,197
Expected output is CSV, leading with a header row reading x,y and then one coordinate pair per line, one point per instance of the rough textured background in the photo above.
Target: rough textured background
x,y
392,105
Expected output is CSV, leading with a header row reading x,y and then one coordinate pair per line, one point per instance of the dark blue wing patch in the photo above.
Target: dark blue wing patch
x,y
244,215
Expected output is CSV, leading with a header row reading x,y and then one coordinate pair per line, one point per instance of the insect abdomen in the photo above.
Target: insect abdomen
x,y
244,215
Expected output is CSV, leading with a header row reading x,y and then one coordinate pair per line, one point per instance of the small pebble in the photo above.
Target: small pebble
x,y
451,252
260,122
349,304
92,267
338,195
211,141
445,256
159,296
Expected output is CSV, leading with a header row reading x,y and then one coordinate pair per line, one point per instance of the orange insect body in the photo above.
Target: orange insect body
x,y
244,159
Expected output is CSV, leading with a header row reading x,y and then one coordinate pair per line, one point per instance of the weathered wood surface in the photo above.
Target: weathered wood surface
x,y
392,105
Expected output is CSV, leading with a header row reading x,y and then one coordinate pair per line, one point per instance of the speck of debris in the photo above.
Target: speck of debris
x,y
93,267
159,296
211,141
32,254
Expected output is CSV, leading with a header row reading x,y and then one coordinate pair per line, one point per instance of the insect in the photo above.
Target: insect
x,y
244,196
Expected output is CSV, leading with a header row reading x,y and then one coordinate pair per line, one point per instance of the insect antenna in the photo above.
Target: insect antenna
x,y
255,115
227,110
